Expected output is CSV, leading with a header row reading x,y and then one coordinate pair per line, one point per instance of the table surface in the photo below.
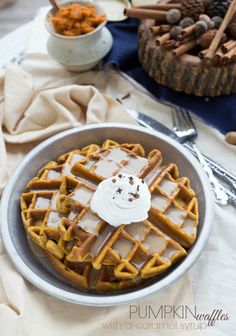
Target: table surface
x,y
19,13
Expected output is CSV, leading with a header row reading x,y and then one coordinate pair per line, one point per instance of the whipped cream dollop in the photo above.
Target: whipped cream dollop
x,y
122,199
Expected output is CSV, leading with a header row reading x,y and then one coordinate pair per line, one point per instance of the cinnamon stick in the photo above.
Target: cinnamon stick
x,y
165,28
145,14
203,53
155,29
164,7
169,44
218,56
228,56
160,29
188,31
161,39
183,41
184,48
226,47
216,40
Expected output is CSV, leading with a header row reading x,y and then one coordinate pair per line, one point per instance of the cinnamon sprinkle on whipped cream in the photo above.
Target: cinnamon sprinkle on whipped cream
x,y
122,199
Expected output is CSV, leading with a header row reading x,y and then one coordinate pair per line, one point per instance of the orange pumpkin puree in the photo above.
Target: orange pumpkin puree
x,y
76,19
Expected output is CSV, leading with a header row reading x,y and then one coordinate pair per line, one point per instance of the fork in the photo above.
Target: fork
x,y
184,127
220,171
186,130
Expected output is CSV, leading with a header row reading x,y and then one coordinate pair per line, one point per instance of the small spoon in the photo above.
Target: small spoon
x,y
54,5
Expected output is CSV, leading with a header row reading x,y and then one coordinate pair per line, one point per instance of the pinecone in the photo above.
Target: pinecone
x,y
206,39
192,8
218,8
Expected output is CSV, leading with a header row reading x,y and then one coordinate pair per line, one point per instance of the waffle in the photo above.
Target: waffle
x,y
83,248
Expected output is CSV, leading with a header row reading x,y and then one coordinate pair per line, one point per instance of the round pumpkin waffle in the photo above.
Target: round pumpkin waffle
x,y
87,251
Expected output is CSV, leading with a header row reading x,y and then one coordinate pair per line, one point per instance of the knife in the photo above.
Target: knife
x,y
218,169
146,121
151,123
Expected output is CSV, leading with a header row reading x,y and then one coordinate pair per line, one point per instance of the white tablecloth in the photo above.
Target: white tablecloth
x,y
24,310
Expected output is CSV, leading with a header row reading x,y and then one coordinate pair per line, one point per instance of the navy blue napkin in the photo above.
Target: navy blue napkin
x,y
219,112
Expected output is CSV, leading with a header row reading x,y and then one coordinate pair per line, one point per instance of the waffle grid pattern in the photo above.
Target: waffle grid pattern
x,y
89,252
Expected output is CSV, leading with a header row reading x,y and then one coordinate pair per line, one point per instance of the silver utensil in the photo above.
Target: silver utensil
x,y
183,125
185,129
151,123
220,196
218,169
